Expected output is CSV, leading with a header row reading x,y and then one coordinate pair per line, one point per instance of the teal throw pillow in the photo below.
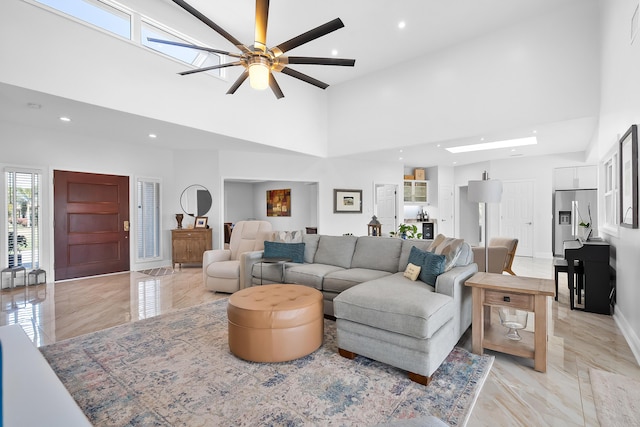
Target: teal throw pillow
x,y
432,265
416,256
293,251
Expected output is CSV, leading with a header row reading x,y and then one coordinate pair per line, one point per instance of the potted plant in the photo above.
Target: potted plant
x,y
407,231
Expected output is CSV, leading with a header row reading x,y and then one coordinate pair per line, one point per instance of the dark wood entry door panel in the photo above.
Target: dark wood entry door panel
x,y
91,228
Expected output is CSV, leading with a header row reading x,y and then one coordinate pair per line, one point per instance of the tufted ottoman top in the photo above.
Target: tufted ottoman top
x,y
275,306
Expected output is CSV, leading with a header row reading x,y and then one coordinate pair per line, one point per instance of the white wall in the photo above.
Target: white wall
x,y
541,71
619,109
303,198
238,201
248,201
330,174
48,151
118,74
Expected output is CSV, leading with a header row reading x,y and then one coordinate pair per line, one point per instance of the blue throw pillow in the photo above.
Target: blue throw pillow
x,y
416,256
432,265
294,251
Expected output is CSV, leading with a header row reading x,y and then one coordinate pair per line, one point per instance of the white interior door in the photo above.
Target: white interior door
x,y
516,215
445,210
386,207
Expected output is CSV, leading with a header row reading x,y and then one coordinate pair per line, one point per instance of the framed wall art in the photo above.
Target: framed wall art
x,y
629,178
347,201
201,222
279,202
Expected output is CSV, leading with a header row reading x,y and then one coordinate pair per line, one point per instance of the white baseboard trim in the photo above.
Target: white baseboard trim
x,y
544,255
629,334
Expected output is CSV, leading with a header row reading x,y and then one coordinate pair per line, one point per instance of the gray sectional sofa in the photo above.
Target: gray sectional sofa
x,y
380,313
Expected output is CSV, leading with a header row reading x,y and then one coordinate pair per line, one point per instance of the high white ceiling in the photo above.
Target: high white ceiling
x,y
371,36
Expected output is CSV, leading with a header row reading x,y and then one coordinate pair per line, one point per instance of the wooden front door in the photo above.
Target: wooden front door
x,y
91,224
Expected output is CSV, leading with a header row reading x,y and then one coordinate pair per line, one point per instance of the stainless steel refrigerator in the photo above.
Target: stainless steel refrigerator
x,y
570,208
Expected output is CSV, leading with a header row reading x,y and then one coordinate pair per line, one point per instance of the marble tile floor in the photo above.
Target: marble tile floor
x,y
513,395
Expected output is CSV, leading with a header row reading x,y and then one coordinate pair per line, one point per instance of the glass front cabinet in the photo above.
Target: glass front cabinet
x,y
415,191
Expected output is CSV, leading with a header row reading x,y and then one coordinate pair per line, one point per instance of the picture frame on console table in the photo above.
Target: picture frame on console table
x,y
201,222
629,178
347,201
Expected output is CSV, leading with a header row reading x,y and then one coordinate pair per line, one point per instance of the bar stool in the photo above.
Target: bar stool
x,y
562,266
13,272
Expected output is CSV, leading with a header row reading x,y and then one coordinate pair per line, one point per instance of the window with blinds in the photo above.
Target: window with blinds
x,y
23,214
148,219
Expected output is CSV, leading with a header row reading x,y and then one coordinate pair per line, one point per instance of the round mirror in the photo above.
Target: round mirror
x,y
195,200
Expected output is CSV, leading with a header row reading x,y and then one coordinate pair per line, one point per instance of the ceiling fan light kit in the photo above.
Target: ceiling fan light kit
x,y
259,73
260,62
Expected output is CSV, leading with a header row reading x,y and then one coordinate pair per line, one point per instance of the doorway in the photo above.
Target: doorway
x,y
91,224
385,207
516,214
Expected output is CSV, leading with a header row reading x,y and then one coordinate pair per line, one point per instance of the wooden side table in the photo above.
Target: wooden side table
x,y
524,293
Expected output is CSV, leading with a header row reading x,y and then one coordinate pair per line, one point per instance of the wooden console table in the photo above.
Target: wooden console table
x,y
188,245
524,293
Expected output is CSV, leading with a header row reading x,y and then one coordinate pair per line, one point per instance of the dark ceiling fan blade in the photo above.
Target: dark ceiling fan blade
x,y
275,87
238,82
298,75
303,38
317,61
262,17
213,67
193,46
215,27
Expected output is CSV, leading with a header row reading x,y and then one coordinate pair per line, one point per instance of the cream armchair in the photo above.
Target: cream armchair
x,y
221,267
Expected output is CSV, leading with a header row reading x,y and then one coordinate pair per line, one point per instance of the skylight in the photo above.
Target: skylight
x,y
493,145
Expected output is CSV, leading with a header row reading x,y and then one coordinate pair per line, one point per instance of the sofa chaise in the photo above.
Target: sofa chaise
x,y
380,313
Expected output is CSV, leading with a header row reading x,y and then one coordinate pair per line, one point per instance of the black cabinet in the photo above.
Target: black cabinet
x,y
427,230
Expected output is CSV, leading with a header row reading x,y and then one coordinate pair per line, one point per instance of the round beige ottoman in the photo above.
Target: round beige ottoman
x,y
275,323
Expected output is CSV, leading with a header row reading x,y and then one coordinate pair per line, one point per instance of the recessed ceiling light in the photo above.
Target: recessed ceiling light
x,y
65,119
535,131
153,135
399,158
439,145
334,52
402,24
492,145
401,150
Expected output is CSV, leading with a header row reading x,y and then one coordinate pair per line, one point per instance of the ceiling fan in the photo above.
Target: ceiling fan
x,y
259,61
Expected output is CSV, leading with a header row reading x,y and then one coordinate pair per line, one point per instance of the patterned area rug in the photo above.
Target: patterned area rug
x,y
162,271
176,370
617,399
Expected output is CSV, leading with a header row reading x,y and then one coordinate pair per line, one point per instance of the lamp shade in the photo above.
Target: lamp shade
x,y
485,191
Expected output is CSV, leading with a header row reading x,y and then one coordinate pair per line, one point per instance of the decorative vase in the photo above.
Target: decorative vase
x,y
584,233
513,319
179,219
